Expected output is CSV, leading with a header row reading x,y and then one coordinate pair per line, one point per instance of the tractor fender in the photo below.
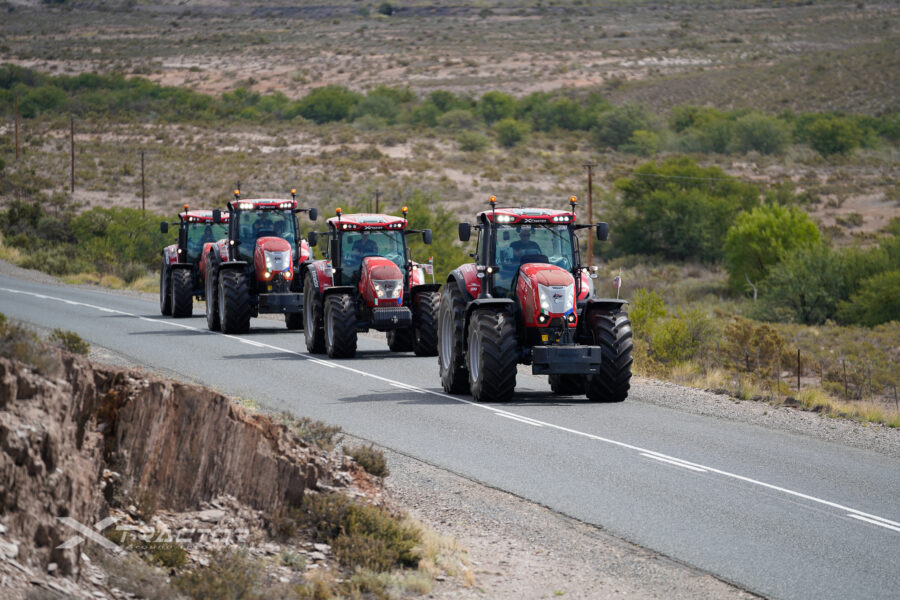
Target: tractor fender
x,y
605,304
233,265
188,266
464,278
339,289
424,287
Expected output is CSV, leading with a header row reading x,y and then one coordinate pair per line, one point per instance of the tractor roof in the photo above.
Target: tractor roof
x,y
527,215
367,221
262,204
198,216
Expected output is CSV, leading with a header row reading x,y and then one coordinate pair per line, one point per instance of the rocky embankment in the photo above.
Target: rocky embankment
x,y
85,442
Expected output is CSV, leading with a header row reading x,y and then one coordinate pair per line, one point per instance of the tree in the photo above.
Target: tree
x,y
760,238
833,135
677,210
328,103
615,127
495,106
510,132
804,287
877,301
764,134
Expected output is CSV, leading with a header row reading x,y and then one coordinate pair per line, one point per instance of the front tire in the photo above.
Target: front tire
x,y
492,357
451,329
612,332
234,302
212,296
182,293
165,299
425,323
313,326
340,326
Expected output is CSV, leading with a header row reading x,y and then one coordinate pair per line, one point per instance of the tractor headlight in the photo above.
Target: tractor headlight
x,y
278,261
388,288
545,302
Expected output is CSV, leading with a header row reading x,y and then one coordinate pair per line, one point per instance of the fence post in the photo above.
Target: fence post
x,y
798,370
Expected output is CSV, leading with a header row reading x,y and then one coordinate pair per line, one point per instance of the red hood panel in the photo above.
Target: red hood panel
x,y
381,268
273,244
545,274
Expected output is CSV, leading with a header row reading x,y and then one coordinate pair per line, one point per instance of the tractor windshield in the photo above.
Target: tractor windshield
x,y
356,245
201,233
253,224
541,243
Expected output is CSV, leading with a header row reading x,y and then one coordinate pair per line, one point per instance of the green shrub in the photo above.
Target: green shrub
x,y
457,119
646,307
830,134
70,341
642,143
328,103
365,552
677,210
331,516
615,127
230,574
760,133
804,287
369,458
495,106
317,433
510,132
877,301
472,141
386,8
759,238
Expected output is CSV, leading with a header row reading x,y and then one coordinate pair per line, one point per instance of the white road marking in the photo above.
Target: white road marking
x,y
677,463
852,512
875,521
525,420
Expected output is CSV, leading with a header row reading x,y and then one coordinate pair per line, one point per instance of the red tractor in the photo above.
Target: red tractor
x,y
180,279
528,300
254,268
369,282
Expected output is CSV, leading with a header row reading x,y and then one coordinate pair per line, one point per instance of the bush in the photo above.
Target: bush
x,y
646,307
615,127
642,143
386,8
677,210
760,133
369,458
457,119
877,301
329,103
829,135
759,238
495,106
230,574
804,287
510,132
70,341
333,516
472,141
317,433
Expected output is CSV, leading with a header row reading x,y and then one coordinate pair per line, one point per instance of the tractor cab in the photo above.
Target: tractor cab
x,y
379,238
195,228
252,221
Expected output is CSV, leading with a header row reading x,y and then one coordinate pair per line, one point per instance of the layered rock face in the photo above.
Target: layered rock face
x,y
76,441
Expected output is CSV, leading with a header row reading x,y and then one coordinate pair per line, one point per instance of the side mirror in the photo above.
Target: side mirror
x,y
426,236
602,231
164,227
334,253
313,214
217,215
312,237
465,232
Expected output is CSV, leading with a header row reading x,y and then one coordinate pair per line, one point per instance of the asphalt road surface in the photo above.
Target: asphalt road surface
x,y
780,515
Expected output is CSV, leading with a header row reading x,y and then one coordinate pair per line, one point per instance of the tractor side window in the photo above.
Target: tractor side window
x,y
202,233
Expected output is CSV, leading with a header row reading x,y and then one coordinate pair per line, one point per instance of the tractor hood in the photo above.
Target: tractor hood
x,y
272,259
380,282
547,294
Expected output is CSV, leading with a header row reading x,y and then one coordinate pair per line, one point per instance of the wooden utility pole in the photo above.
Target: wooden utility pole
x,y
377,198
143,188
16,112
590,217
72,154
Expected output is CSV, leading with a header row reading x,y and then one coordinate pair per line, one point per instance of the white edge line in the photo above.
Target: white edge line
x,y
525,420
874,522
676,463
681,462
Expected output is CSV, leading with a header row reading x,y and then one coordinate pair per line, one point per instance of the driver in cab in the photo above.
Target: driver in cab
x,y
524,245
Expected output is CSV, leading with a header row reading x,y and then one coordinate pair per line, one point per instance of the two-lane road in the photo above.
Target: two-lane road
x,y
778,514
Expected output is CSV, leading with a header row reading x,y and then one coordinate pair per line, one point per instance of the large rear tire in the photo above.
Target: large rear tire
x,y
182,293
234,302
451,332
567,385
313,326
492,356
340,326
400,340
212,296
611,331
165,299
425,323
